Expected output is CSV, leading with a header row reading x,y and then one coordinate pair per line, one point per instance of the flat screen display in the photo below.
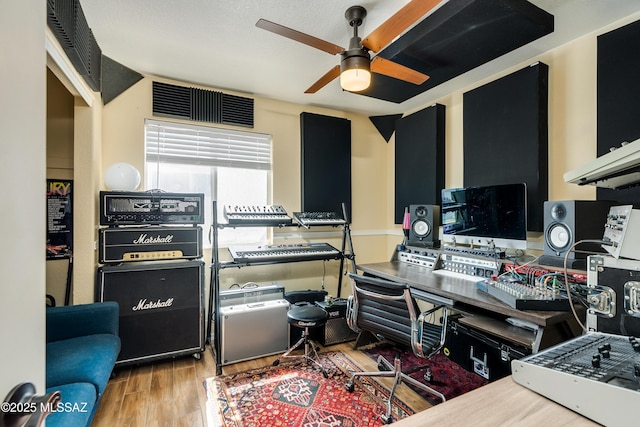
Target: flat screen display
x,y
484,215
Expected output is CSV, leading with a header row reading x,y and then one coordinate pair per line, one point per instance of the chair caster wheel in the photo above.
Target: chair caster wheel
x,y
382,367
349,386
428,375
276,362
387,419
324,374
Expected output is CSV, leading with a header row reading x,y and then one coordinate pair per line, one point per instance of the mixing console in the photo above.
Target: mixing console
x,y
527,287
596,375
525,297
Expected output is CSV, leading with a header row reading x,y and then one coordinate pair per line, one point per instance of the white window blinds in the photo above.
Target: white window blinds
x,y
168,142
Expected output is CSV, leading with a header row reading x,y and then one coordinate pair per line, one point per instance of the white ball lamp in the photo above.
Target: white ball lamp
x,y
121,177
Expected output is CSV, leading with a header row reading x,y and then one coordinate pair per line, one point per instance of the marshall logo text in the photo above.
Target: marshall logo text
x,y
152,305
145,239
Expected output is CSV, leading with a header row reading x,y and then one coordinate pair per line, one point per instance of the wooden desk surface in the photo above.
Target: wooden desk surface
x,y
456,289
500,403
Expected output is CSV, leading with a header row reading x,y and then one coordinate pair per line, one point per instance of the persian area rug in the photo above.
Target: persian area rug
x,y
449,378
295,394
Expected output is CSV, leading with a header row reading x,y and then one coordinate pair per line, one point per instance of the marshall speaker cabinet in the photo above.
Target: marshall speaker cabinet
x,y
161,308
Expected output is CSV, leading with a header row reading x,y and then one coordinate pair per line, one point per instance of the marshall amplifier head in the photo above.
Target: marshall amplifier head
x,y
152,243
140,208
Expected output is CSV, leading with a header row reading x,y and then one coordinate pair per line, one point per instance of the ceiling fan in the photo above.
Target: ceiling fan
x,y
356,64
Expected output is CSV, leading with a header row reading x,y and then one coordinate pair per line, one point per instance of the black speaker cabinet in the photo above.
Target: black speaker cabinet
x,y
424,226
336,329
161,308
569,221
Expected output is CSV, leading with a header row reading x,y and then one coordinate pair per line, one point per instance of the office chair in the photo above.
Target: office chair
x,y
387,310
304,315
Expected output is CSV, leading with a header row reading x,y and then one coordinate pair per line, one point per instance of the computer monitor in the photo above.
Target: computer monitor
x,y
486,215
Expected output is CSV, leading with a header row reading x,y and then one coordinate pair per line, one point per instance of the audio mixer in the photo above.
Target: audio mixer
x,y
596,375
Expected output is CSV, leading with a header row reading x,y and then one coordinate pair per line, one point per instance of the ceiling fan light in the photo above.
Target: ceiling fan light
x,y
355,74
355,79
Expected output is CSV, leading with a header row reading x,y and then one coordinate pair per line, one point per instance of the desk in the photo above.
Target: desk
x,y
554,326
500,403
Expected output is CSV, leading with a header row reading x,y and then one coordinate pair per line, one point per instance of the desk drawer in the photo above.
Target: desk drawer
x,y
476,351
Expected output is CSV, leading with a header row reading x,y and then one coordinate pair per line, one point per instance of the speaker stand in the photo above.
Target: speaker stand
x,y
428,245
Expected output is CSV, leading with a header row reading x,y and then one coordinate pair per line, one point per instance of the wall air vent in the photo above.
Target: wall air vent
x,y
237,110
201,105
171,101
69,25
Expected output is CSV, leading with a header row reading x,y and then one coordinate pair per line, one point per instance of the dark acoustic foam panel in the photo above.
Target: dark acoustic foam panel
x,y
386,125
506,136
459,36
618,95
419,159
116,78
325,163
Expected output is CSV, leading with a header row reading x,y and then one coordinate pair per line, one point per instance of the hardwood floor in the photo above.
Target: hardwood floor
x,y
171,393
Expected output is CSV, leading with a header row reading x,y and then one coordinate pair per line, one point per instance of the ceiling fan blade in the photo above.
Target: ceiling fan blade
x,y
399,22
324,80
392,69
299,37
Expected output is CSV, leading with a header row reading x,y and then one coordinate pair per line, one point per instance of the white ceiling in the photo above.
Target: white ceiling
x,y
215,43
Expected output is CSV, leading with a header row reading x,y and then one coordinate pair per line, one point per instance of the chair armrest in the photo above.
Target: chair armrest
x,y
351,314
429,337
80,320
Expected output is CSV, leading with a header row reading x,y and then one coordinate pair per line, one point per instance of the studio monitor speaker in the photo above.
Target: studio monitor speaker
x,y
161,308
567,222
424,226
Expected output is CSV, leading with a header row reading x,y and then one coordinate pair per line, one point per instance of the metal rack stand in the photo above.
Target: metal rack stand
x,y
216,266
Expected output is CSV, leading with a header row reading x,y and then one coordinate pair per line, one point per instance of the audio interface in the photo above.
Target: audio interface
x,y
418,256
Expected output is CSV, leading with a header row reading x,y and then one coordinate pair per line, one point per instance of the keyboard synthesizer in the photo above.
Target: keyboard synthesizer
x,y
284,253
256,215
307,219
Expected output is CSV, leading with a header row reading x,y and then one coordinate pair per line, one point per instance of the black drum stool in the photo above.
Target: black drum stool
x,y
306,315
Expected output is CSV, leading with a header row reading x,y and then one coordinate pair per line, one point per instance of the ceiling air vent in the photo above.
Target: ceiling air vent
x,y
201,105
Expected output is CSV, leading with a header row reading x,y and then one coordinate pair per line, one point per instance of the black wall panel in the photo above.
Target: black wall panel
x,y
618,96
419,159
326,163
506,136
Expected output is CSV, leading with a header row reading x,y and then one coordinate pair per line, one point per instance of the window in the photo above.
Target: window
x,y
232,167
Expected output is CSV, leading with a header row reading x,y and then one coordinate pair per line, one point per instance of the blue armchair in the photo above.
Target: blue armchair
x,y
82,348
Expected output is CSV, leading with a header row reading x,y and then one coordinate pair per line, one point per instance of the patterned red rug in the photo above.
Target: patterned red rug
x,y
449,378
297,395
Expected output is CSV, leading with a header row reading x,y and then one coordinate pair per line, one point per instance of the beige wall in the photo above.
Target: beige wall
x,y
22,171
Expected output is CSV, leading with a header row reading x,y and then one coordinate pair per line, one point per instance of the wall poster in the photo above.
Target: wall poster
x,y
59,218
